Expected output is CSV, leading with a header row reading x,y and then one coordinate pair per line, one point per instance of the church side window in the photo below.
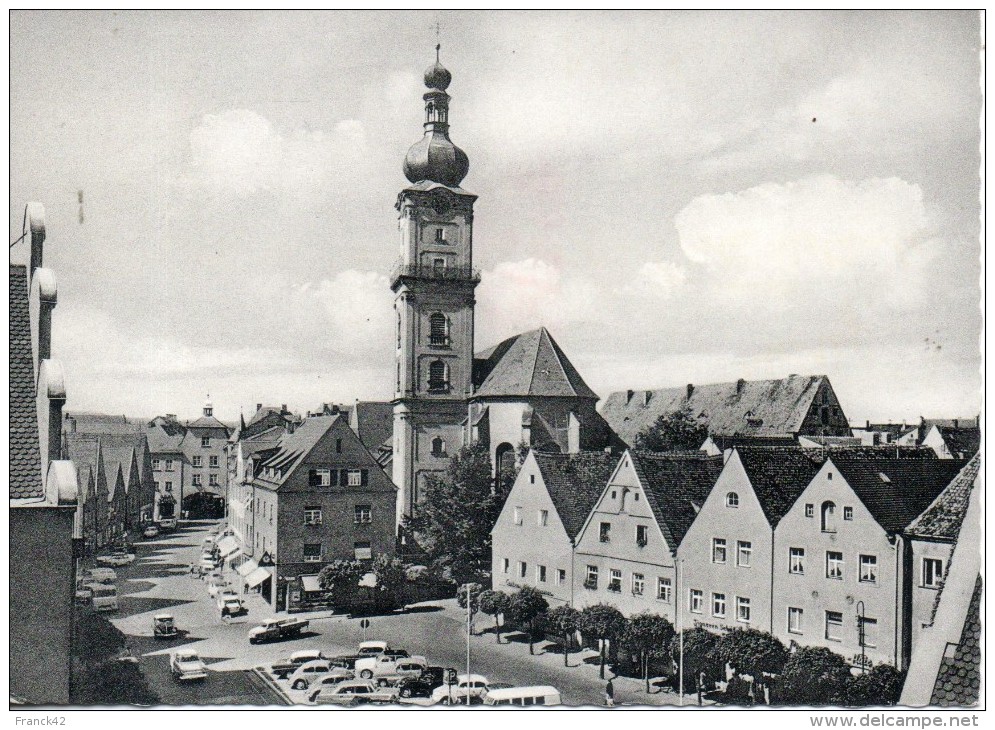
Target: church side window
x,y
438,377
438,447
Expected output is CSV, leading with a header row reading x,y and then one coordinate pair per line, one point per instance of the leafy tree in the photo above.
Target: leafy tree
x,y
811,676
453,524
648,636
526,608
563,620
751,652
391,576
882,685
604,623
699,663
495,603
99,678
673,432
469,592
342,579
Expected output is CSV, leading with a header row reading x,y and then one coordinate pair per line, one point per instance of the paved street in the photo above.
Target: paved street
x,y
159,580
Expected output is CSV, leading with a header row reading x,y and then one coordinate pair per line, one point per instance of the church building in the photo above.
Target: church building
x,y
521,391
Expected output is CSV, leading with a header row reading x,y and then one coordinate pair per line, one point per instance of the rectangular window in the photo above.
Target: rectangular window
x,y
363,514
795,620
719,605
615,581
592,577
869,634
213,480
338,446
561,576
363,551
319,478
834,626
505,565
868,568
205,442
197,461
440,235
663,589
834,565
810,510
196,480
796,561
743,609
518,515
169,486
541,573
932,572
695,600
718,550
744,553
642,535
605,532
213,462
355,478
156,464
543,517
638,584
169,465
523,569
312,552
848,513
312,515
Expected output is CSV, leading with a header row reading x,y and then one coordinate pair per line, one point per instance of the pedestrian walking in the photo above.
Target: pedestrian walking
x,y
609,694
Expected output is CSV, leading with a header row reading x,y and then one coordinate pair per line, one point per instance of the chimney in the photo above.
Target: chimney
x,y
259,406
628,396
170,416
867,427
283,407
690,390
956,424
34,216
740,384
647,394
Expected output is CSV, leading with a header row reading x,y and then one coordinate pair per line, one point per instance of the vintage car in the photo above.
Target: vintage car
x,y
84,593
116,559
150,532
164,627
167,523
389,668
283,668
104,597
277,628
353,693
187,665
215,586
230,605
308,672
474,685
335,676
100,575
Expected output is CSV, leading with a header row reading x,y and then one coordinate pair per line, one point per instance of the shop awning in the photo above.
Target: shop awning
x,y
309,583
247,568
234,557
227,546
256,577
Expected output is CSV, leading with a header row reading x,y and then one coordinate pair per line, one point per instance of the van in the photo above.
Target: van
x,y
523,696
104,597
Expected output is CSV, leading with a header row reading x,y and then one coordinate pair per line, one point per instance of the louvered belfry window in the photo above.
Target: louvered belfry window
x,y
438,376
438,330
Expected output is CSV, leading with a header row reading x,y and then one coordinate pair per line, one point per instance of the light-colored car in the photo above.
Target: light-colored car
x,y
285,667
372,648
206,562
308,672
353,693
229,605
216,586
167,523
337,675
474,684
390,667
100,575
187,665
277,628
116,560
523,696
104,597
150,532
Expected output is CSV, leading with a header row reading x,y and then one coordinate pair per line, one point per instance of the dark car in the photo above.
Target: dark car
x,y
422,686
435,675
346,661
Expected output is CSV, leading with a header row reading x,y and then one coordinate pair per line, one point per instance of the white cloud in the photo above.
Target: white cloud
x,y
240,151
358,306
812,242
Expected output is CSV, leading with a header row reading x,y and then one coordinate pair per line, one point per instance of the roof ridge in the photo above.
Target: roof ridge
x,y
558,355
534,358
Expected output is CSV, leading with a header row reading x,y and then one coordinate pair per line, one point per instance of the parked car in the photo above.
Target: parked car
x,y
283,668
187,665
216,586
277,628
84,593
167,523
372,648
206,562
416,687
474,684
353,693
230,605
104,597
390,667
100,575
306,673
336,675
164,627
115,560
523,696
149,532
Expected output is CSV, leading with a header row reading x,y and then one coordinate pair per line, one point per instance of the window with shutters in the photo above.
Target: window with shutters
x,y
355,477
319,477
363,514
438,330
438,377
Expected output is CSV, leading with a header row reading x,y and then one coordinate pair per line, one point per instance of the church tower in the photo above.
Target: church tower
x,y
434,284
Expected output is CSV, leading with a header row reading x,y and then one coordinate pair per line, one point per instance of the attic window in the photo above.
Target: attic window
x,y
756,422
732,500
884,477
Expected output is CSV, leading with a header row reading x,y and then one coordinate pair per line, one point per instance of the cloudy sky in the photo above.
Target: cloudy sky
x,y
679,197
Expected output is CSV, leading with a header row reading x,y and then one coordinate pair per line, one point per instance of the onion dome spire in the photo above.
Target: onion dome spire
x,y
435,158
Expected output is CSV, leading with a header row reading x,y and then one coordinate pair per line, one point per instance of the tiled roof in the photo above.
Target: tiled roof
x,y
942,520
374,422
161,441
676,485
757,407
294,446
778,477
116,457
729,442
209,422
895,491
962,442
575,482
102,423
25,456
529,364
958,683
833,440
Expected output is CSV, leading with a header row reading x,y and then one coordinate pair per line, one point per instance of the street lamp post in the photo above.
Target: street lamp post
x,y
860,636
468,626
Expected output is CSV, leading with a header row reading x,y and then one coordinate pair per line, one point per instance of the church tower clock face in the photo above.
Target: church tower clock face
x,y
433,285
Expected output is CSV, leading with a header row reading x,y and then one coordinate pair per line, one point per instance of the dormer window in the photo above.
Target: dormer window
x,y
732,500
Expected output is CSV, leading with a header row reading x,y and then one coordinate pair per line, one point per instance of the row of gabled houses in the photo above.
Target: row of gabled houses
x,y
820,547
